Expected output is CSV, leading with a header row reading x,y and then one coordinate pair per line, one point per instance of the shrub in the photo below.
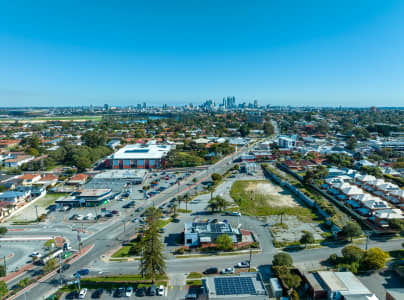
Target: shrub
x,y
3,230
224,242
282,259
375,259
352,254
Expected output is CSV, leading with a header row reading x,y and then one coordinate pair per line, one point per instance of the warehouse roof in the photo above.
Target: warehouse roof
x,y
140,151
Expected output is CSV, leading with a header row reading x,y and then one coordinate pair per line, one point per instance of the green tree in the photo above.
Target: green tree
x,y
282,259
224,242
352,254
152,262
216,177
93,138
351,230
307,238
2,271
268,128
375,259
50,265
351,143
244,130
291,280
3,230
3,288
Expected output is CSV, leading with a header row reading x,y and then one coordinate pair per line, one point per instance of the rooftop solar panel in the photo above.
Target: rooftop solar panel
x,y
234,286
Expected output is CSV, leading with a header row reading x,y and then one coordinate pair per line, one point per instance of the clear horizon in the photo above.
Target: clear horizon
x,y
316,53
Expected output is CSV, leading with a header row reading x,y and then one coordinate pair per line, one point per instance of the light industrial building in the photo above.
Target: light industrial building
x,y
139,156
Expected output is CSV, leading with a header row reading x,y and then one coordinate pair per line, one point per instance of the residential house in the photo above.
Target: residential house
x,y
30,178
17,160
49,179
382,217
78,179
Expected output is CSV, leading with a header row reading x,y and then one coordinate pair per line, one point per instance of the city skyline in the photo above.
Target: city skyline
x,y
313,54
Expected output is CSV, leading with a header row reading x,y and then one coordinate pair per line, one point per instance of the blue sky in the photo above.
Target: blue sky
x,y
323,53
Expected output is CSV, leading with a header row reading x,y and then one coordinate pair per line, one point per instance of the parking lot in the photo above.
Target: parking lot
x,y
60,222
170,293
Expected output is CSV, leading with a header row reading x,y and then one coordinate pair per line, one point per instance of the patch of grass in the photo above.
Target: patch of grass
x,y
49,243
122,252
257,204
163,223
118,259
194,282
194,275
122,278
182,210
49,199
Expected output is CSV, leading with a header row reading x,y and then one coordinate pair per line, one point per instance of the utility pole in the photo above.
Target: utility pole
x,y
5,264
124,226
96,213
249,262
60,268
36,210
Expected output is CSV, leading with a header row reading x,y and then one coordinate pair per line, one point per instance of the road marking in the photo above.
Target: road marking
x,y
172,287
181,288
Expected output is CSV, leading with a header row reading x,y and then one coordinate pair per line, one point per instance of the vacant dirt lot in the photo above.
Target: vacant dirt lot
x,y
273,194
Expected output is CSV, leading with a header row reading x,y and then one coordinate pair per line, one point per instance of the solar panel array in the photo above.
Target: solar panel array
x,y
234,286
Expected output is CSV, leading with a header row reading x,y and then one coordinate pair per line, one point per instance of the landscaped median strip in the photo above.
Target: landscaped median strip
x,y
83,252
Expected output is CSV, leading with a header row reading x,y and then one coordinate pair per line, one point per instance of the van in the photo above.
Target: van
x,y
152,290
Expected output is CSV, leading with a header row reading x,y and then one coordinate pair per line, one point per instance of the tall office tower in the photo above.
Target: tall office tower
x,y
255,103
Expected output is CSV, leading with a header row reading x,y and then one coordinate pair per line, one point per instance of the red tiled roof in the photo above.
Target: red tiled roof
x,y
28,176
78,177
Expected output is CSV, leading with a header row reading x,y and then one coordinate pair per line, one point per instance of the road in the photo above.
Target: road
x,y
112,235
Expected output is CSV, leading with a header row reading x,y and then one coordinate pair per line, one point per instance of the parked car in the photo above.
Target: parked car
x,y
120,292
97,293
210,271
109,215
152,290
160,291
191,296
134,220
72,295
129,291
236,214
83,293
115,212
243,264
141,292
227,271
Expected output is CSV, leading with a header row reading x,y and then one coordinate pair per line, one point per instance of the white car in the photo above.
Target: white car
x,y
79,217
83,293
35,253
129,291
227,271
236,214
160,290
243,264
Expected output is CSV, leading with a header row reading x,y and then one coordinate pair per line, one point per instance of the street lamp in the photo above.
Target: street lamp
x,y
36,210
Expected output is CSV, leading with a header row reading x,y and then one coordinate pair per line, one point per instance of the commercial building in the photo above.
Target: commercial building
x,y
336,285
139,156
242,286
86,197
205,233
134,176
